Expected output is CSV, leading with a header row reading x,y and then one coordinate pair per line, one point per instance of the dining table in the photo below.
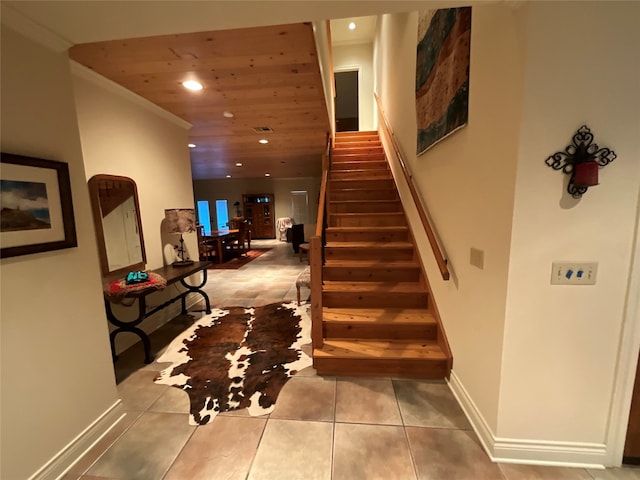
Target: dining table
x,y
217,238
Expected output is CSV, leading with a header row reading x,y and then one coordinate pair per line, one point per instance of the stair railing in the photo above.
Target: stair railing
x,y
316,253
417,199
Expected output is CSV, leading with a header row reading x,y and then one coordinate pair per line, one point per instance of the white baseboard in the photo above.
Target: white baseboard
x,y
524,451
65,458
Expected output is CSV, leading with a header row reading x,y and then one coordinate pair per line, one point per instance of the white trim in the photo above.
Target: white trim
x,y
65,458
525,451
87,74
627,359
32,30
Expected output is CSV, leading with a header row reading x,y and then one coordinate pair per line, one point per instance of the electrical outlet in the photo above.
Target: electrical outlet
x,y
574,273
476,257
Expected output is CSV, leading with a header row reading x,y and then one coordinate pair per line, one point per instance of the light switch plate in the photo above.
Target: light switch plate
x,y
476,257
574,273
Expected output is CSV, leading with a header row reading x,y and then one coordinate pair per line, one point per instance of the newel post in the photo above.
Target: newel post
x,y
315,260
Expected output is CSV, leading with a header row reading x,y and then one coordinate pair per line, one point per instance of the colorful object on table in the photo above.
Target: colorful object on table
x,y
136,277
122,287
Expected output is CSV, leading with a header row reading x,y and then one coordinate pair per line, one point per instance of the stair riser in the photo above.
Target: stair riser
x,y
358,143
359,165
374,300
366,220
360,174
365,207
375,274
348,253
337,158
360,236
362,194
381,368
375,184
373,331
369,150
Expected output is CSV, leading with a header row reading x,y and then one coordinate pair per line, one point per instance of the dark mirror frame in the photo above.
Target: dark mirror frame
x,y
94,189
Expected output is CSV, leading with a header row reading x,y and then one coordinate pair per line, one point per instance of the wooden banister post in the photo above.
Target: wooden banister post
x,y
315,260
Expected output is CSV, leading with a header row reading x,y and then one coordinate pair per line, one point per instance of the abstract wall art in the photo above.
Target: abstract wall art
x,y
442,74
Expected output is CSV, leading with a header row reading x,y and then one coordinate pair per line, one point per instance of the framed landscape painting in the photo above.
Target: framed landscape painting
x,y
442,74
36,206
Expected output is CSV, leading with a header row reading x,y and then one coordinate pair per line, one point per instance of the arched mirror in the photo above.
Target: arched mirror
x,y
116,215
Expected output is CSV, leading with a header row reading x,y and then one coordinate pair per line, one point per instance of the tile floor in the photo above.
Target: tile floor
x,y
321,428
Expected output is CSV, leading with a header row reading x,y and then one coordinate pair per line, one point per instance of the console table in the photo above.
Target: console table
x,y
172,275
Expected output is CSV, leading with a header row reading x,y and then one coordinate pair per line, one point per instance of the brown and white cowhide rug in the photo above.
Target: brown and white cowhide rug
x,y
238,358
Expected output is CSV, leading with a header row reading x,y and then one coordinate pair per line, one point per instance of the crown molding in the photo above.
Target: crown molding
x,y
32,30
87,74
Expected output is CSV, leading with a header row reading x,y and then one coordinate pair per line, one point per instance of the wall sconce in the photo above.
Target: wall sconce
x,y
581,159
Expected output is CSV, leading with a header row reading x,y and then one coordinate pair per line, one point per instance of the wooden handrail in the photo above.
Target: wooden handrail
x,y
440,260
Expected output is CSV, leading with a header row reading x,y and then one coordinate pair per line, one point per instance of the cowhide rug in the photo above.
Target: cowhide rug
x,y
238,358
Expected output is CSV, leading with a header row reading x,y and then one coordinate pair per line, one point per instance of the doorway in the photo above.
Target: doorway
x,y
222,214
347,116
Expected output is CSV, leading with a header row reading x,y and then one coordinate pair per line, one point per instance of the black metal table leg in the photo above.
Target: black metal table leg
x,y
196,289
129,327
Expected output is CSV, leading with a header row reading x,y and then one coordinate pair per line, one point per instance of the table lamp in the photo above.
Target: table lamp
x,y
181,220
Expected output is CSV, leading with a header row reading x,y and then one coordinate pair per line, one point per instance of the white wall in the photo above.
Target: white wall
x,y
533,364
57,376
359,57
561,342
232,190
120,135
467,181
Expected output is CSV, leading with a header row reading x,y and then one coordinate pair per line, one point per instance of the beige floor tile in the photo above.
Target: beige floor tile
x,y
443,453
536,472
147,449
363,400
138,391
294,450
223,449
306,398
102,445
425,403
625,473
371,452
173,400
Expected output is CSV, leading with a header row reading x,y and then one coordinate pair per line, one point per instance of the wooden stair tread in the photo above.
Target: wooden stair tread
x,y
372,263
372,287
369,245
369,229
378,315
379,349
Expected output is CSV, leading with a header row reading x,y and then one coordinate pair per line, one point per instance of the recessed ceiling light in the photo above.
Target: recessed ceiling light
x,y
191,145
267,174
263,141
238,164
228,176
227,114
192,85
352,26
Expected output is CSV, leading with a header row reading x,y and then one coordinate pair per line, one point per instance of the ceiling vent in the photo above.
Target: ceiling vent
x,y
263,129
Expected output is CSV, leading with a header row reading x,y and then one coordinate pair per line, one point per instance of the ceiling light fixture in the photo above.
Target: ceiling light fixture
x,y
227,114
263,141
352,26
267,174
191,145
238,164
228,176
192,85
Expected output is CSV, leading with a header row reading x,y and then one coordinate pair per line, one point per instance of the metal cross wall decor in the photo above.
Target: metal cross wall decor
x,y
581,160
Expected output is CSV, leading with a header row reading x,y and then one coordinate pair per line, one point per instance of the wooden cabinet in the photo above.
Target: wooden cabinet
x,y
258,210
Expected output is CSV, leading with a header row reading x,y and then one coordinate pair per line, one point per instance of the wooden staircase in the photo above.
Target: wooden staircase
x,y
377,315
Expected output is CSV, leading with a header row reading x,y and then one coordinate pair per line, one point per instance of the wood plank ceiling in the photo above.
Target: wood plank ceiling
x,y
264,76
